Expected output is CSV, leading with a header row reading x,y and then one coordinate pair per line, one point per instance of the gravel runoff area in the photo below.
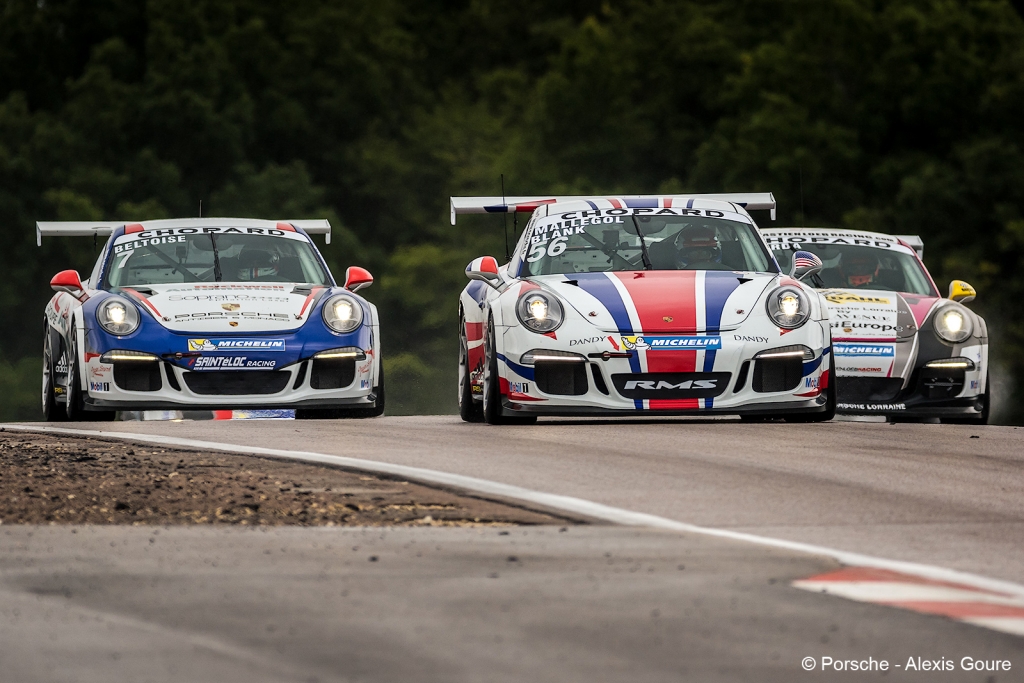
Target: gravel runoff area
x,y
48,479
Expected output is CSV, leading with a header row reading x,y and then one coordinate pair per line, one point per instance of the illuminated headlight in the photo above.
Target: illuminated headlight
x,y
122,356
345,353
117,316
342,313
539,312
788,307
952,324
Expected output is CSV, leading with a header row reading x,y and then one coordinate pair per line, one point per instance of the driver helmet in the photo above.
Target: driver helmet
x,y
256,263
860,269
698,244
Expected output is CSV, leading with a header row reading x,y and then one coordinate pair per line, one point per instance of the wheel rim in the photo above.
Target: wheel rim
x,y
47,378
463,360
489,379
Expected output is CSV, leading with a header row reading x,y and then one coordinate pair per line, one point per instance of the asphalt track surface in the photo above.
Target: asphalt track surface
x,y
599,602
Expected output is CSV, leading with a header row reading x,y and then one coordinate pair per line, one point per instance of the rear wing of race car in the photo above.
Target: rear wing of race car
x,y
914,242
754,201
104,228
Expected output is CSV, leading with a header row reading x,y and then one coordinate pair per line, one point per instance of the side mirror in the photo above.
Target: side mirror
x,y
961,291
805,264
357,278
484,269
68,281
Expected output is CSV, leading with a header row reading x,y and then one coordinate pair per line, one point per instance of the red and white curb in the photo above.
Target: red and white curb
x,y
986,608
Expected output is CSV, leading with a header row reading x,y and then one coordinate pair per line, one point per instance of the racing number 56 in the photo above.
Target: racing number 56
x,y
553,248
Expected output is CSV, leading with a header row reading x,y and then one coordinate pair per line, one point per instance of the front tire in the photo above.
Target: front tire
x,y
76,411
470,410
52,411
492,408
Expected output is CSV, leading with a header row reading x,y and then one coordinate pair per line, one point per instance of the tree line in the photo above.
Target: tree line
x,y
901,116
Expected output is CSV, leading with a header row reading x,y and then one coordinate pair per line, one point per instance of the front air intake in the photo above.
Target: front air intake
x,y
332,373
561,379
237,382
777,374
134,376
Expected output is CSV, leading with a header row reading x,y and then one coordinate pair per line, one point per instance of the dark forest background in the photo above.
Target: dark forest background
x,y
894,115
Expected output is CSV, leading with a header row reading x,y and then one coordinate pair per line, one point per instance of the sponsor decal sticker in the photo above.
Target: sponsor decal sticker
x,y
100,370
230,288
887,350
232,363
877,407
229,297
850,297
236,345
812,382
231,307
591,340
364,384
672,343
745,338
519,387
99,386
218,315
662,385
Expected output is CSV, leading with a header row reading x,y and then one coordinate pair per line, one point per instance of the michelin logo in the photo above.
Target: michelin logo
x,y
887,350
672,343
236,344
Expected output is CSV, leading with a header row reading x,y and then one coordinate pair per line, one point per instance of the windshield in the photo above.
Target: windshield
x,y
624,240
180,255
848,266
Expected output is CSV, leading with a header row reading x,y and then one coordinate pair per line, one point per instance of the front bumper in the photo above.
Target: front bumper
x,y
602,385
172,387
926,393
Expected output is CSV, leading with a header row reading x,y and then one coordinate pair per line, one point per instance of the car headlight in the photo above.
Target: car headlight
x,y
952,324
117,316
342,313
539,312
788,307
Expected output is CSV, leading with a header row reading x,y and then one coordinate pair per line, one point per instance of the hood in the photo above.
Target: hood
x,y
660,301
227,307
868,314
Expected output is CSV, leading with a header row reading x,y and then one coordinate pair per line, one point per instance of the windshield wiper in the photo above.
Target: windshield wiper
x,y
217,275
643,245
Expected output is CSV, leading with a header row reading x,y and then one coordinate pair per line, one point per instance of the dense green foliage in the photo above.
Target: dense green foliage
x,y
895,115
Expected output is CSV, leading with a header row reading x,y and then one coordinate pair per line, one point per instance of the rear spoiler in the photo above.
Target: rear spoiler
x,y
104,228
755,201
914,242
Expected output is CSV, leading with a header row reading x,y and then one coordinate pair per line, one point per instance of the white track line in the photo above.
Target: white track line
x,y
554,501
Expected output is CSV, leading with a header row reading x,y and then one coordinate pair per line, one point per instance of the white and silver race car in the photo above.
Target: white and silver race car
x,y
209,314
669,305
901,350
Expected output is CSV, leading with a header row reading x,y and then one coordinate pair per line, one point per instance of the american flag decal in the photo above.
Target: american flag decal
x,y
805,259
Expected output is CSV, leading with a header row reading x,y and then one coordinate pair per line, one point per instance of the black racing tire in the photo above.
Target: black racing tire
x,y
351,413
76,411
470,410
52,411
831,399
492,407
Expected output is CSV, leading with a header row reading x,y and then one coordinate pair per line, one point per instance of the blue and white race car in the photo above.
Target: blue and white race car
x,y
209,314
635,305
